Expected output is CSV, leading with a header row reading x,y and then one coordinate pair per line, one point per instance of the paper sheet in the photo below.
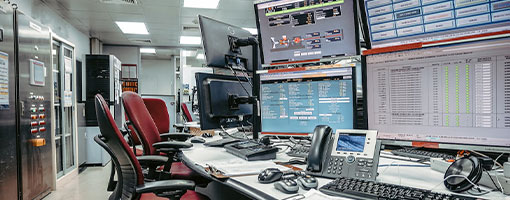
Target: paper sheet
x,y
314,195
237,166
4,80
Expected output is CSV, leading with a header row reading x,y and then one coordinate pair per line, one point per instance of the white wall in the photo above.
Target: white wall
x,y
126,54
156,77
45,15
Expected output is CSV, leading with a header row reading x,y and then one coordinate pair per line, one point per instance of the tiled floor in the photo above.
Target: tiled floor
x,y
90,184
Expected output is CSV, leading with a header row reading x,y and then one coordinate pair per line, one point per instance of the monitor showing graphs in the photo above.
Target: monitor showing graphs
x,y
299,30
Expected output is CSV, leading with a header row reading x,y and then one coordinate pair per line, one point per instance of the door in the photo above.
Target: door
x,y
63,69
8,159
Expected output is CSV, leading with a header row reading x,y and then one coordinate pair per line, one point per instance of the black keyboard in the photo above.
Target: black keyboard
x,y
363,189
221,142
251,150
420,154
300,151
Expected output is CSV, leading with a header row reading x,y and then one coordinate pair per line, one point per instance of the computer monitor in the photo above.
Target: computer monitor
x,y
217,41
453,97
294,101
215,94
399,22
304,30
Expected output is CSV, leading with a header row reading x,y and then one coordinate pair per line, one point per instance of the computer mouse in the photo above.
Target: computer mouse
x,y
307,182
270,175
206,135
287,186
197,140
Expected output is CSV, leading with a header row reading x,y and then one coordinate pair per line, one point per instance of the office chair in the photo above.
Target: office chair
x,y
152,141
187,115
131,184
159,113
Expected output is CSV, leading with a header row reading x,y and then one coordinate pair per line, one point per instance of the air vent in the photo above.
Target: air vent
x,y
129,2
191,28
143,41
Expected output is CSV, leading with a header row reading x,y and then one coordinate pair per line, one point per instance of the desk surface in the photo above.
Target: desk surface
x,y
390,171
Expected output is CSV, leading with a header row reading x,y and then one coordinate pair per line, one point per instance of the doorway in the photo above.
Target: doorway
x,y
64,107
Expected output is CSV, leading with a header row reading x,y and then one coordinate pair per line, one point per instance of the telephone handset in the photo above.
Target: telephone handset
x,y
315,155
345,153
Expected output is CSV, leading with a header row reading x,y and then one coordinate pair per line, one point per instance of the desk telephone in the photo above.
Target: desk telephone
x,y
346,153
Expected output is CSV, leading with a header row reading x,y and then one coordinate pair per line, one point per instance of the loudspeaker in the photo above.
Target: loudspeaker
x,y
469,168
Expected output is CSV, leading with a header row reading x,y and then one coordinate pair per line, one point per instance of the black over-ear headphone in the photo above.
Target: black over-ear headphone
x,y
467,169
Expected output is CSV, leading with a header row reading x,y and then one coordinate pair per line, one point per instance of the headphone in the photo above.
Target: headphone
x,y
461,172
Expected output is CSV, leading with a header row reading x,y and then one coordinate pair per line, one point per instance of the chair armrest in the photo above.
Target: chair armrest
x,y
176,136
172,145
164,186
152,160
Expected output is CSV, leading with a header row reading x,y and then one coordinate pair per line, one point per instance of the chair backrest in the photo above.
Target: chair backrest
x,y
159,113
185,110
130,170
142,121
133,135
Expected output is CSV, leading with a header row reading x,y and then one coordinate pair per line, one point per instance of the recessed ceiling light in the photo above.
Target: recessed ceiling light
x,y
190,40
210,4
200,56
253,31
133,28
148,50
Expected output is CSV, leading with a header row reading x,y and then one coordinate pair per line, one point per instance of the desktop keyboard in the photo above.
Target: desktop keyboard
x,y
300,151
363,189
251,150
420,154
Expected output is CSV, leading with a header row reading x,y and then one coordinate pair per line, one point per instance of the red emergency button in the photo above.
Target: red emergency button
x,y
42,129
42,116
34,123
34,130
42,123
33,116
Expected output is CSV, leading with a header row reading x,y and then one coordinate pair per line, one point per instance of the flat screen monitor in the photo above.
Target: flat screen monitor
x,y
294,101
215,39
304,30
398,22
449,97
213,100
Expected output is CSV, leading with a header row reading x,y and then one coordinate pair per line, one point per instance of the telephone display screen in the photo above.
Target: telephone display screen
x,y
353,143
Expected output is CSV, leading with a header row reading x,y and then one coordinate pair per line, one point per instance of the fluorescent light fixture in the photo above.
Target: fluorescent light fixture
x,y
200,56
190,40
253,31
148,50
210,4
133,28
189,53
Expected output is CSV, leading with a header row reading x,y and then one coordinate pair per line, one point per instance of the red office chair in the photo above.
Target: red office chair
x,y
152,142
159,113
131,185
187,114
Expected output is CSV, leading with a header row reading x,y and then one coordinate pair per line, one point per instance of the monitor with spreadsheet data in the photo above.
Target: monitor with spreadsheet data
x,y
450,96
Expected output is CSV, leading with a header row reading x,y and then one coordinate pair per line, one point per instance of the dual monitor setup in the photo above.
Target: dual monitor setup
x,y
450,92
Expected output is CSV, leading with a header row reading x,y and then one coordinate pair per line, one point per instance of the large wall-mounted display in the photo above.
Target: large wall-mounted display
x,y
400,22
